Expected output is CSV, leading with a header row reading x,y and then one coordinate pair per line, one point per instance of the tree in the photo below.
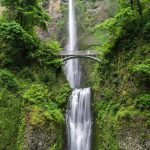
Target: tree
x,y
17,36
138,4
28,13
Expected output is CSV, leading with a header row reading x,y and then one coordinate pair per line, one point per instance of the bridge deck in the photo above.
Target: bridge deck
x,y
78,53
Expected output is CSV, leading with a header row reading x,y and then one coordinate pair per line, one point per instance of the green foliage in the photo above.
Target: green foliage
x,y
146,28
17,35
107,93
13,34
47,54
143,102
10,106
53,113
36,94
27,74
142,70
8,80
124,74
15,43
114,27
33,81
36,115
45,112
27,13
60,98
127,114
49,77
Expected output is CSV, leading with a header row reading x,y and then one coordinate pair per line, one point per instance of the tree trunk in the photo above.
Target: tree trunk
x,y
139,7
131,2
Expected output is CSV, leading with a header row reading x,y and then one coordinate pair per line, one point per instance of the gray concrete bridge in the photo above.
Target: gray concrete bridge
x,y
90,54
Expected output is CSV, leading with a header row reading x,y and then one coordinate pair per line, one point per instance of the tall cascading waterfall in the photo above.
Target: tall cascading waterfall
x,y
78,114
72,67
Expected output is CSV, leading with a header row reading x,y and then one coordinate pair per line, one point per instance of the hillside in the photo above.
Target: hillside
x,y
34,91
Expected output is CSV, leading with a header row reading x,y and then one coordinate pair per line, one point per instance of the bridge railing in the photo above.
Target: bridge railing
x,y
79,53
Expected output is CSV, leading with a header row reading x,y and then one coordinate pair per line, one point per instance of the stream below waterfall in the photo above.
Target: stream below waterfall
x,y
78,114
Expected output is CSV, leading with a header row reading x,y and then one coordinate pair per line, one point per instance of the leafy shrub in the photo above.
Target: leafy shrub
x,y
63,95
115,25
113,29
100,108
142,68
36,94
107,93
146,29
26,73
54,115
48,77
47,54
10,106
14,35
7,62
30,11
143,102
126,114
36,115
8,80
39,114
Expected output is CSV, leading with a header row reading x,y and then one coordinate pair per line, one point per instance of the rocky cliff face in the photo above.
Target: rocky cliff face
x,y
122,98
1,9
89,12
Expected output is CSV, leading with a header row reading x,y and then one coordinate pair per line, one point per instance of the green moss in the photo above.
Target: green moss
x,y
127,114
36,93
143,102
8,80
122,95
10,110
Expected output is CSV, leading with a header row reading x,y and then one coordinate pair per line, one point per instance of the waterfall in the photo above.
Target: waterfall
x,y
72,67
78,114
78,118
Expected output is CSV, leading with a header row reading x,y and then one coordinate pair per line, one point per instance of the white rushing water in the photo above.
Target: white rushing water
x,y
72,67
78,118
78,114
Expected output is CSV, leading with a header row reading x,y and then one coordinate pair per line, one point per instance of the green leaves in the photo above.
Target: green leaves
x,y
142,70
113,28
48,53
116,24
28,13
8,80
143,102
14,35
36,94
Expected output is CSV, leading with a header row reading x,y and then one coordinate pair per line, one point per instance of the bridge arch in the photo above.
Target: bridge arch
x,y
88,57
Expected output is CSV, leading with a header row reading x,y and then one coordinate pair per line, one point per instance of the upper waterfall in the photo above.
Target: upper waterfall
x,y
72,43
72,67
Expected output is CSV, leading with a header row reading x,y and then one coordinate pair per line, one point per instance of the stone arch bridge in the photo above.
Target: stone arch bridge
x,y
90,54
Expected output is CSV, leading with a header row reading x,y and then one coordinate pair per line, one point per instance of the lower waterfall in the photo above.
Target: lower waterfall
x,y
78,119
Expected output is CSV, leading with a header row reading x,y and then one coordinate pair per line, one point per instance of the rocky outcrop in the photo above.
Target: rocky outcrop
x,y
53,8
131,139
1,9
58,11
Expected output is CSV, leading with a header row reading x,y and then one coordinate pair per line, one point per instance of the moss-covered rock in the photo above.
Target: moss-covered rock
x,y
121,107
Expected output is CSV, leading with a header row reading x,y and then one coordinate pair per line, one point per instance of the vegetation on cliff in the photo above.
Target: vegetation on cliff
x,y
122,98
34,91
